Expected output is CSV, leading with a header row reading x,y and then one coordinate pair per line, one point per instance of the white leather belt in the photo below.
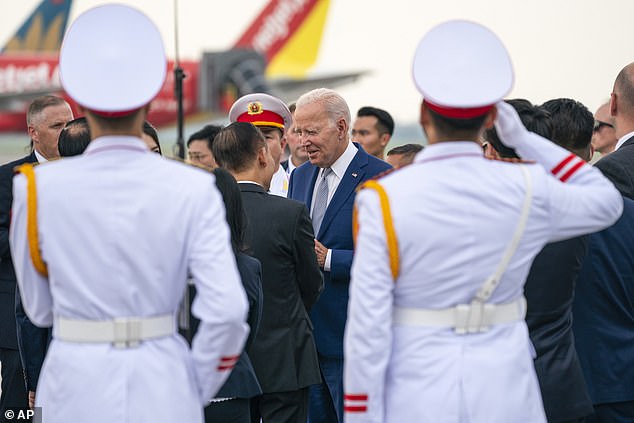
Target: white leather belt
x,y
464,318
122,333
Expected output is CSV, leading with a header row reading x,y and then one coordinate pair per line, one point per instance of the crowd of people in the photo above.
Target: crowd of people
x,y
486,277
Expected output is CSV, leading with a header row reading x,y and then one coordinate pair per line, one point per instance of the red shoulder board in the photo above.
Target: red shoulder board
x,y
384,173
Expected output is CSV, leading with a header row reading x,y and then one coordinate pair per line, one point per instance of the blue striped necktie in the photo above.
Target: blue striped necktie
x,y
321,200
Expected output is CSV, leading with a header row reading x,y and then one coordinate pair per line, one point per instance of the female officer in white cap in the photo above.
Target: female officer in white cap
x,y
436,329
112,236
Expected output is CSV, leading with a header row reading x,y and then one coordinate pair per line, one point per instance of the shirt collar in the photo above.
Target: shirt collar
x,y
116,142
250,182
340,165
449,148
291,166
622,140
39,157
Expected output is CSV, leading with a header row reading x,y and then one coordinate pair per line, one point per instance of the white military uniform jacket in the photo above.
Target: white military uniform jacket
x,y
454,213
120,228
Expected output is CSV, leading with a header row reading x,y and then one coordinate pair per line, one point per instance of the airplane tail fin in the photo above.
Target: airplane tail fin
x,y
288,34
43,30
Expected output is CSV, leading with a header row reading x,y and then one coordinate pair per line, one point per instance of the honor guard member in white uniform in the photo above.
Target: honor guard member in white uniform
x,y
272,116
436,329
103,244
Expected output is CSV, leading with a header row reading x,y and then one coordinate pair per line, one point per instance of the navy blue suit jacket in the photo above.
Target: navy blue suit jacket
x,y
617,167
242,382
330,311
604,312
549,290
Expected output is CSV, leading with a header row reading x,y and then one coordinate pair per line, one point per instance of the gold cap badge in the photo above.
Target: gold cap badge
x,y
255,108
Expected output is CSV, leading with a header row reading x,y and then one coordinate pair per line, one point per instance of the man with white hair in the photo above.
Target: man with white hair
x,y
327,185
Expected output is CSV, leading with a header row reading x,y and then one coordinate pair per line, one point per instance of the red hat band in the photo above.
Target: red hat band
x,y
264,118
457,112
117,114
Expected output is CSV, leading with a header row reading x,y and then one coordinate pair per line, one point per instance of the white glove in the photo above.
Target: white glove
x,y
509,126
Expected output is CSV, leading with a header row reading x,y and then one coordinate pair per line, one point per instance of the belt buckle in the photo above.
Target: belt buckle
x,y
476,317
469,318
127,332
462,312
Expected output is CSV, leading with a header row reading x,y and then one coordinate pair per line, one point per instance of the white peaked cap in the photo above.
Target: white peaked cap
x,y
261,110
461,64
112,60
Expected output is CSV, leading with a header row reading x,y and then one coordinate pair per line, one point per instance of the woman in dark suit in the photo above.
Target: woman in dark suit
x,y
232,403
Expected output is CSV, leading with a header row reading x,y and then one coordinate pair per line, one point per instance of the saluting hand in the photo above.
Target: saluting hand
x,y
321,251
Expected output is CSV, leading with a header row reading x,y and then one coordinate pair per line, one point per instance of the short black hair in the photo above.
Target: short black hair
x,y
456,127
535,118
234,209
74,138
385,123
237,145
573,124
406,149
207,132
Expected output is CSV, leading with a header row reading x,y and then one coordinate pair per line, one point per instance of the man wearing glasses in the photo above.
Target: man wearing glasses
x,y
604,136
199,147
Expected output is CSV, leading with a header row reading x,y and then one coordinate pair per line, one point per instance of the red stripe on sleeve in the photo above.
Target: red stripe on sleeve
x,y
571,172
223,367
561,164
355,397
230,358
355,408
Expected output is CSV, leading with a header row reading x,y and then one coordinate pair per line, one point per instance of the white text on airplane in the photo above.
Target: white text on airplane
x,y
276,25
20,79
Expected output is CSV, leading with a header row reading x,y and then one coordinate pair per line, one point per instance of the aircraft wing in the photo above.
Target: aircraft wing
x,y
289,89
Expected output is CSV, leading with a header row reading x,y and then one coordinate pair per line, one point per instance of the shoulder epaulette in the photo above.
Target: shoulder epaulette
x,y
384,173
16,168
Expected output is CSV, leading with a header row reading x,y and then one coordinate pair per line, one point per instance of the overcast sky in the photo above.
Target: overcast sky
x,y
560,48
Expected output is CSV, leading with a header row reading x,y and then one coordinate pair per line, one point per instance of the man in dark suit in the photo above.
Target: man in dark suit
x,y
327,186
603,302
46,117
280,235
617,166
550,285
603,320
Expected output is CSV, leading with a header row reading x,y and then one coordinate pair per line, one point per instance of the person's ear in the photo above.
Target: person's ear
x,y
613,105
262,153
423,117
384,139
490,118
342,129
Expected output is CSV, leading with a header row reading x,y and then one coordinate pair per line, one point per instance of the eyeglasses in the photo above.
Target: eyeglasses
x,y
599,124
